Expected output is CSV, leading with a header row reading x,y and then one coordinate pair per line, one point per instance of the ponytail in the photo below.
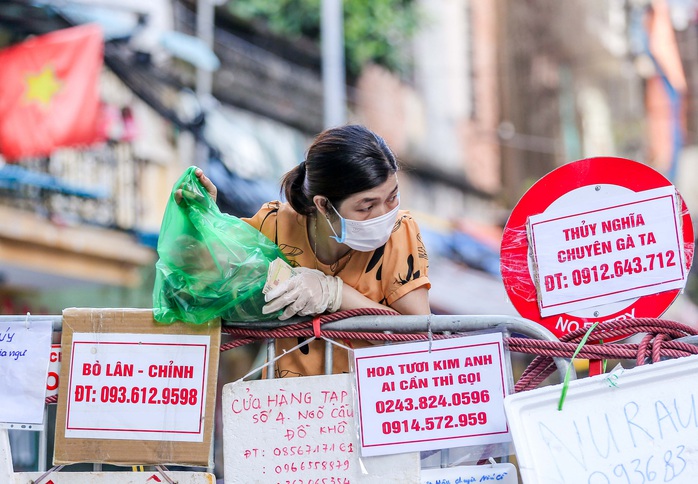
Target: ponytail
x,y
292,186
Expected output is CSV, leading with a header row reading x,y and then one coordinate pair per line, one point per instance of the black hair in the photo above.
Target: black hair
x,y
341,161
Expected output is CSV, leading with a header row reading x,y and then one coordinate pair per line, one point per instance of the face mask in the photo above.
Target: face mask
x,y
366,235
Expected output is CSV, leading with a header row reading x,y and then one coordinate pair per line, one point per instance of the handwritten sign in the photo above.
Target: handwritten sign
x,y
137,386
24,355
419,396
301,430
636,426
630,248
503,473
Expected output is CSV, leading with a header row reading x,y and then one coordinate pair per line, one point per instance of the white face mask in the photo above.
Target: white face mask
x,y
366,235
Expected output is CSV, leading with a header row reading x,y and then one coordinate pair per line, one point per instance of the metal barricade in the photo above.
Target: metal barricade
x,y
400,324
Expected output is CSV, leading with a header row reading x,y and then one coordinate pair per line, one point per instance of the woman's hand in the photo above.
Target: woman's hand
x,y
307,292
205,182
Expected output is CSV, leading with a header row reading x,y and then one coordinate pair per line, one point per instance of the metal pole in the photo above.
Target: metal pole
x,y
333,73
205,25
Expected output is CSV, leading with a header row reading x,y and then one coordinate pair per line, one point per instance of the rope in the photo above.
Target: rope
x,y
655,346
304,329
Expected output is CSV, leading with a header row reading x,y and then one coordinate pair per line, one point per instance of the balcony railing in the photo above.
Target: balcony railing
x,y
96,186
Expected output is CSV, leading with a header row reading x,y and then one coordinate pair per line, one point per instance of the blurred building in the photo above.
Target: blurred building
x,y
499,94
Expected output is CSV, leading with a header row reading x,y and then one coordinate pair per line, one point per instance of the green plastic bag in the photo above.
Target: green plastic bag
x,y
211,264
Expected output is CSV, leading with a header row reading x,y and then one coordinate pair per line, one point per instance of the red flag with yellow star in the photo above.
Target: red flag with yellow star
x,y
49,92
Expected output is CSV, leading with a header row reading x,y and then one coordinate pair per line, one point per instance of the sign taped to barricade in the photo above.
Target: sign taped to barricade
x,y
24,358
596,240
54,370
503,473
133,391
637,425
432,395
301,429
628,246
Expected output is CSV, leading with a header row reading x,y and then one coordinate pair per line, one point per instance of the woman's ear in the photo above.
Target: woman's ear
x,y
321,205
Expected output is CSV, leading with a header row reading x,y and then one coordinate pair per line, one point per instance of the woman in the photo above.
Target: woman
x,y
346,238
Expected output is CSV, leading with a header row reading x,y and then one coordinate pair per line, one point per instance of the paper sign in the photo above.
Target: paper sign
x,y
137,386
638,425
24,355
503,473
54,370
629,248
301,430
424,396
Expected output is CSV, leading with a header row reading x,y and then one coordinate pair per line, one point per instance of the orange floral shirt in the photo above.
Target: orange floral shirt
x,y
383,275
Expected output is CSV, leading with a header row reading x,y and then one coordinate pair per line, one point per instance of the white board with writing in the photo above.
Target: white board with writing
x,y
630,426
300,430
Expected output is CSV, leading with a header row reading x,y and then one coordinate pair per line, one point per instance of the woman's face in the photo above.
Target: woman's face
x,y
371,203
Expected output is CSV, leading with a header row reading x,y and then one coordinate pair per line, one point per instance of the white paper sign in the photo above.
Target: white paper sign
x,y
137,386
629,248
301,430
418,396
503,473
54,371
24,355
632,426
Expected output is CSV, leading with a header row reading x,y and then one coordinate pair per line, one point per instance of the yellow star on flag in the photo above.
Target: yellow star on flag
x,y
42,87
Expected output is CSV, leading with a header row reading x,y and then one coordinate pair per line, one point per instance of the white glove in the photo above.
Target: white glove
x,y
309,291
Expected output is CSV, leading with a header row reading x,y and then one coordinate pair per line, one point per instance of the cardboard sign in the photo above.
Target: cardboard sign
x,y
24,355
637,425
627,248
133,391
301,430
438,395
546,288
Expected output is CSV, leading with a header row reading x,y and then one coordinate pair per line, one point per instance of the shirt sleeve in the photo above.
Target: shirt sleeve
x,y
406,263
